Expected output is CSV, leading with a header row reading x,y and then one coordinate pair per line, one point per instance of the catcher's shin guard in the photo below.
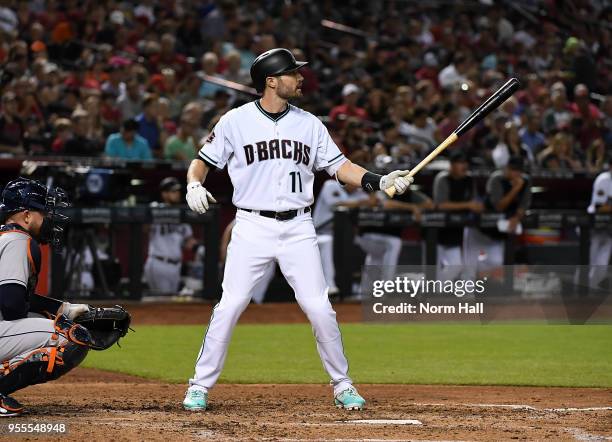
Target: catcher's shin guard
x,y
41,365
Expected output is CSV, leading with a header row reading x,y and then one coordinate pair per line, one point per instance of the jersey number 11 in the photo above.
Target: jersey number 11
x,y
295,176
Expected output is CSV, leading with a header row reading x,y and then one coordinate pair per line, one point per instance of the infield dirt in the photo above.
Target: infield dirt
x,y
98,405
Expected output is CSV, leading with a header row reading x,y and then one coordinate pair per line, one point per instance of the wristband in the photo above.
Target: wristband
x,y
370,182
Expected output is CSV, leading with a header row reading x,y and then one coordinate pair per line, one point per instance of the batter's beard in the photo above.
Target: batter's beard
x,y
284,92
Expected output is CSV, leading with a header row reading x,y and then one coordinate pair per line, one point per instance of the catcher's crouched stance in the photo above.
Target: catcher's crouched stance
x,y
41,338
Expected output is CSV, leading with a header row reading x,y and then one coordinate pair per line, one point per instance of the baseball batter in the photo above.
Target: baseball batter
x,y
601,239
272,150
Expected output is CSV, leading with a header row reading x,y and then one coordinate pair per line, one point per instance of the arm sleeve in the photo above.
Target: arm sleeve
x,y
328,155
217,149
440,189
13,304
42,304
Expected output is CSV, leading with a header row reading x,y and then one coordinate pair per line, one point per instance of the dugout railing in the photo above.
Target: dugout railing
x,y
348,221
135,218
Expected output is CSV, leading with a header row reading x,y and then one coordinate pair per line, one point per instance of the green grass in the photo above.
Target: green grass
x,y
544,355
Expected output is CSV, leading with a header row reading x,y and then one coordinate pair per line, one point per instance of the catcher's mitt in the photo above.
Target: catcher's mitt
x,y
105,324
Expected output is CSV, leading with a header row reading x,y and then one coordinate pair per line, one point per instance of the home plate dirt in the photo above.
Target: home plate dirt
x,y
95,404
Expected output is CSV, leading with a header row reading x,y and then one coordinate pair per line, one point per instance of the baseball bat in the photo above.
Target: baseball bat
x,y
492,103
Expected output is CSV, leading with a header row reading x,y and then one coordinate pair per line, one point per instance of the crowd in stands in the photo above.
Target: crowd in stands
x,y
126,78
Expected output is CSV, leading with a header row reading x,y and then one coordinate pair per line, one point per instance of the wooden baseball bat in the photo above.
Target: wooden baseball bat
x,y
492,103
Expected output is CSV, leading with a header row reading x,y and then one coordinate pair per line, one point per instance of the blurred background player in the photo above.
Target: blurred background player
x,y
454,190
332,195
162,269
383,245
508,192
601,239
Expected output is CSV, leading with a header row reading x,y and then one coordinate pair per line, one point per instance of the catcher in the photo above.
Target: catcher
x,y
41,338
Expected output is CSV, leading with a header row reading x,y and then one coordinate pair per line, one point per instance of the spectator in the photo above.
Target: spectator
x,y
558,117
588,117
349,107
63,132
11,126
559,154
210,63
376,106
127,144
35,141
182,146
422,132
510,145
234,71
596,156
82,142
530,135
220,106
454,74
148,125
130,102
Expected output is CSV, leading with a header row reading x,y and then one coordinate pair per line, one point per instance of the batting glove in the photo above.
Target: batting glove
x,y
198,197
399,179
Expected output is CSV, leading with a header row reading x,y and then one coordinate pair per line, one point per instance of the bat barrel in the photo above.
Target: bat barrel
x,y
492,103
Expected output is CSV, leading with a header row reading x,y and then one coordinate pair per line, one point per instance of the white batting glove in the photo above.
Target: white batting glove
x,y
198,197
399,179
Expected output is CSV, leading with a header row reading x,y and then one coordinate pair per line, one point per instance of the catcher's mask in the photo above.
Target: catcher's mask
x,y
25,194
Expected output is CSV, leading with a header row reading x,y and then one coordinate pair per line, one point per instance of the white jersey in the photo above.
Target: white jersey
x,y
602,191
271,163
331,194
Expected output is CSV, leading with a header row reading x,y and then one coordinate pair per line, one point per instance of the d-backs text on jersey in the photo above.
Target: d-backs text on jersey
x,y
281,149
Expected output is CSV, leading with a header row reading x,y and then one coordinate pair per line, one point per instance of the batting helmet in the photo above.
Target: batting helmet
x,y
272,63
25,194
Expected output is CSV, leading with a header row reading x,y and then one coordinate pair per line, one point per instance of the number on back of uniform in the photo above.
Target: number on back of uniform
x,y
296,182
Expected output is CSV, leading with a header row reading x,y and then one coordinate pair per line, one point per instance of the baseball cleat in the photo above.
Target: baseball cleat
x,y
349,399
195,400
9,407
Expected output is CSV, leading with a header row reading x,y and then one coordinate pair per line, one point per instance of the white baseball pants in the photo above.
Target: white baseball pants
x,y
601,248
257,241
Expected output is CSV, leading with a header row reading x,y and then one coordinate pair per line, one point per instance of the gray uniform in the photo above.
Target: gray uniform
x,y
20,337
162,270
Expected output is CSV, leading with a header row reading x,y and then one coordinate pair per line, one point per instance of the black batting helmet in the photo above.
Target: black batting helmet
x,y
25,194
271,63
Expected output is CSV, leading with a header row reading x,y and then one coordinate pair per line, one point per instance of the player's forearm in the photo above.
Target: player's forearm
x,y
197,171
351,173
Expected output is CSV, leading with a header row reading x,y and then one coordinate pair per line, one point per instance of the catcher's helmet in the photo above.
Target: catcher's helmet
x,y
25,194
271,63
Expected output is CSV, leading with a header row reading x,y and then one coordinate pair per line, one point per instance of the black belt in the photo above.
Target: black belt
x,y
280,216
168,260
